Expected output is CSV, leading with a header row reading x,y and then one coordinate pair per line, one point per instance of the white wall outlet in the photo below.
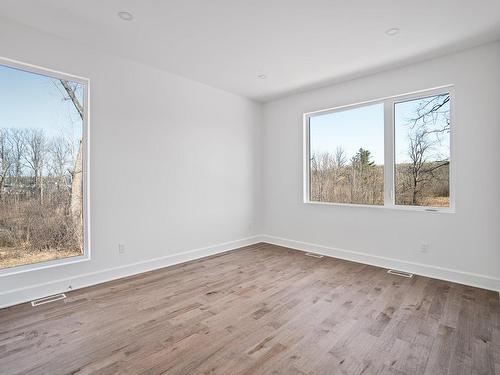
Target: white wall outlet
x,y
121,248
424,247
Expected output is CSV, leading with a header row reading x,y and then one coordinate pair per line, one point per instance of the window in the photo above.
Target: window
x,y
347,156
393,152
422,151
43,167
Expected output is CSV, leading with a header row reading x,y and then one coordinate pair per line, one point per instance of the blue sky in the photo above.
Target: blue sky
x,y
29,100
405,111
363,127
351,129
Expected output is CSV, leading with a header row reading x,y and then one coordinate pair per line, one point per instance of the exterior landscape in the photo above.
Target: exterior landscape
x,y
422,157
41,179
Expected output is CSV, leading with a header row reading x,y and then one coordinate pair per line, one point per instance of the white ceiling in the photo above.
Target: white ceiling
x,y
297,44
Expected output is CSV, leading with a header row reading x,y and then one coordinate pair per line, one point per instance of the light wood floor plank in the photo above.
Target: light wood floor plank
x,y
262,309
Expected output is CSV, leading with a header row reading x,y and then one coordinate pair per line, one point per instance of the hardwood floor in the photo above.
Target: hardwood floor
x,y
258,310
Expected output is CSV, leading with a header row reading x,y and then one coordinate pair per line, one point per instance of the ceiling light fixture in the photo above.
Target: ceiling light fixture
x,y
126,16
392,31
261,76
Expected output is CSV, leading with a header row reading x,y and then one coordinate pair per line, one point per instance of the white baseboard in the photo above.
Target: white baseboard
x,y
21,295
436,272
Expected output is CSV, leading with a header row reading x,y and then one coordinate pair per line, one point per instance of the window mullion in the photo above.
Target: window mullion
x,y
388,153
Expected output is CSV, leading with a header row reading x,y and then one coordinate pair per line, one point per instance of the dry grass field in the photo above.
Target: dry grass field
x,y
12,256
436,201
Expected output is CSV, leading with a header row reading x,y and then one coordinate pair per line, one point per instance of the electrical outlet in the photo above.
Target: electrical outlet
x,y
424,247
121,248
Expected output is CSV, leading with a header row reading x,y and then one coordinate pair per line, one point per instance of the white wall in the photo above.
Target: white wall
x,y
174,165
464,246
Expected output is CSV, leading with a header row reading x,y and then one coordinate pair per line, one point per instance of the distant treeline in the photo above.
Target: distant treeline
x,y
37,191
359,180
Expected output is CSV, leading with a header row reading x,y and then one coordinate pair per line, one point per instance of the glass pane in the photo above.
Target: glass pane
x,y
422,151
347,156
41,184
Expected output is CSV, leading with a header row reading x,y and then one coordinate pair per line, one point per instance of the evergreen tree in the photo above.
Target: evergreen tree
x,y
361,161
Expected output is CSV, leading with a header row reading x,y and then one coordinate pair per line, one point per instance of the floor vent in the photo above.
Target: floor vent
x,y
400,273
314,255
44,300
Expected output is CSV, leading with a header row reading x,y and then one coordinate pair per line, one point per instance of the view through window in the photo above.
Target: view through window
x,y
41,167
348,148
422,151
347,156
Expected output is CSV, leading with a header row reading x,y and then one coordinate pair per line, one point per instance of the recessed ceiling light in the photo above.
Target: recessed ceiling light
x,y
126,16
392,31
261,76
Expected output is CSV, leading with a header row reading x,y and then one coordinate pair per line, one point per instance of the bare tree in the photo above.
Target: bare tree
x,y
432,111
17,139
77,174
34,157
430,123
340,157
419,146
319,169
60,156
334,179
5,159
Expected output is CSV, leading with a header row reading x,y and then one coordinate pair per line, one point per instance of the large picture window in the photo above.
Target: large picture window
x,y
43,166
347,156
393,152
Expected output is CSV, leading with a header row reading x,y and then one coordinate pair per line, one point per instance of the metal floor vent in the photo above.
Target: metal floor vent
x,y
314,255
400,273
44,300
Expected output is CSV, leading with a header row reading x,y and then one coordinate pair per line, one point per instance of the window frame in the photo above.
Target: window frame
x,y
85,82
389,104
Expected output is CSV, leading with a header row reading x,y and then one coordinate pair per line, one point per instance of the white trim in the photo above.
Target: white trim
x,y
427,270
306,158
389,149
380,100
43,265
26,294
37,69
387,207
85,82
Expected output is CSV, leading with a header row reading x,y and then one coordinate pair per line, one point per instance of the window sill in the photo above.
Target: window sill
x,y
441,210
43,265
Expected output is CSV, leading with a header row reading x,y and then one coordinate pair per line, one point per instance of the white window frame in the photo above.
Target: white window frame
x,y
85,82
389,149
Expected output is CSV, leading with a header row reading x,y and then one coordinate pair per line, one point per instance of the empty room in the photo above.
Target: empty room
x,y
250,187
